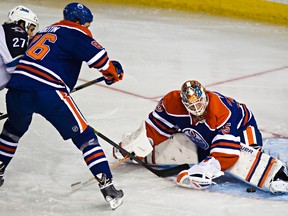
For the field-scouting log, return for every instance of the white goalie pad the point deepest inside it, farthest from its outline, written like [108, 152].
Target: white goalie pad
[136, 142]
[177, 150]
[255, 167]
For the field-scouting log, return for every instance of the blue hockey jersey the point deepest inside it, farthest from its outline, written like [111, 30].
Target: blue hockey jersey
[54, 58]
[218, 135]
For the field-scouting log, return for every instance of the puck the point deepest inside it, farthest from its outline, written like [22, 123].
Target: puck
[250, 190]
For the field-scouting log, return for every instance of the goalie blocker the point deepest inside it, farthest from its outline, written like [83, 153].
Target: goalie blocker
[253, 166]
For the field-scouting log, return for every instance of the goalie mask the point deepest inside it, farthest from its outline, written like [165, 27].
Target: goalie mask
[194, 97]
[24, 14]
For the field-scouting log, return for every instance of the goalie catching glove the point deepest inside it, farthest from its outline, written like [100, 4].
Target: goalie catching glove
[136, 143]
[113, 73]
[200, 175]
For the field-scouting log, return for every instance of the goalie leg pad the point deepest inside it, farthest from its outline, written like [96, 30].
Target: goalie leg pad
[256, 168]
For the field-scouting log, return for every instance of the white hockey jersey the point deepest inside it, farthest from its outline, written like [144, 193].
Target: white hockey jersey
[13, 44]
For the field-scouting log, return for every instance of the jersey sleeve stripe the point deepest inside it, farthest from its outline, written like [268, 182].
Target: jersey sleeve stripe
[226, 151]
[229, 145]
[249, 135]
[161, 125]
[164, 121]
[157, 129]
[226, 137]
[103, 64]
[97, 58]
[246, 115]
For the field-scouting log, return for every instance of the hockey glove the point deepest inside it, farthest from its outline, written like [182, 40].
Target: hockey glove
[136, 143]
[113, 73]
[200, 176]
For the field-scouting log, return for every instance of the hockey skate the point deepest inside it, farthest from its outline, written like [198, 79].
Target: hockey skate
[1, 173]
[280, 182]
[111, 195]
[279, 186]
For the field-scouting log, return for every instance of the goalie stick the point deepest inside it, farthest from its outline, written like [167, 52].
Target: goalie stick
[160, 173]
[100, 79]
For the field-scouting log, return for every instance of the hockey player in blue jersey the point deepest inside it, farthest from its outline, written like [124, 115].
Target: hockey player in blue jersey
[42, 82]
[22, 24]
[212, 131]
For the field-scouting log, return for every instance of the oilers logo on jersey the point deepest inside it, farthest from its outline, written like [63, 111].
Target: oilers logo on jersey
[196, 138]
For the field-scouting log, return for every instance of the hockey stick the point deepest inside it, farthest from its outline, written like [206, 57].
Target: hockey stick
[3, 116]
[78, 185]
[160, 173]
[100, 79]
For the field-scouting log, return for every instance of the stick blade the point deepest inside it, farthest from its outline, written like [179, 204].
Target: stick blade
[76, 186]
[172, 171]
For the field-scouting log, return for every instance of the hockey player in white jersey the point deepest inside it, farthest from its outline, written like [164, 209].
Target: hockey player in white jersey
[15, 33]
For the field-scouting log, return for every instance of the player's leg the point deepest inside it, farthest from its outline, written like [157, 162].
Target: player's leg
[70, 123]
[252, 137]
[260, 170]
[19, 108]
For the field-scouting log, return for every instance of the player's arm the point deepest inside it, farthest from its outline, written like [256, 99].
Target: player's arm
[113, 73]
[90, 51]
[12, 63]
[15, 47]
[224, 153]
[157, 128]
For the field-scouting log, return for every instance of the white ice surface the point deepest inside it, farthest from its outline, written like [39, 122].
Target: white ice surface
[159, 50]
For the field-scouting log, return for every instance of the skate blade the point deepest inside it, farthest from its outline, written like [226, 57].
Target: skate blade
[115, 203]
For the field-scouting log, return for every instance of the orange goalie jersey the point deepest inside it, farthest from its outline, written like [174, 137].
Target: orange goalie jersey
[227, 123]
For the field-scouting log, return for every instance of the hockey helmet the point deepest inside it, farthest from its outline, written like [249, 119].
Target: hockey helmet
[194, 97]
[77, 12]
[25, 14]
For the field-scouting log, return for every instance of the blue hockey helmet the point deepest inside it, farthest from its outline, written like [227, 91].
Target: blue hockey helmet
[77, 12]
